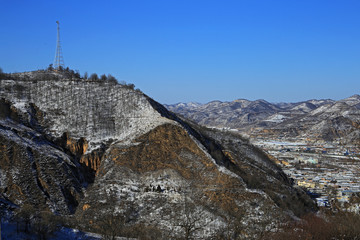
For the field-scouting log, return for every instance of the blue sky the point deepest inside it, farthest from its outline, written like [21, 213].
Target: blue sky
[195, 50]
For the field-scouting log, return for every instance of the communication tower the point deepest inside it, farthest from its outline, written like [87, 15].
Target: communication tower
[59, 60]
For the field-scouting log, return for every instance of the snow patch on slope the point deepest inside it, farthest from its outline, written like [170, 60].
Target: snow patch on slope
[276, 118]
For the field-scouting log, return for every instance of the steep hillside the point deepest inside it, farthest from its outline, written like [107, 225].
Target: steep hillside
[104, 151]
[33, 169]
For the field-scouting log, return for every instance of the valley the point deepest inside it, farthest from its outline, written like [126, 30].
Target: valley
[315, 142]
[330, 173]
[180, 120]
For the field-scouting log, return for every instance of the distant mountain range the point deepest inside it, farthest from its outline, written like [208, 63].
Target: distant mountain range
[316, 120]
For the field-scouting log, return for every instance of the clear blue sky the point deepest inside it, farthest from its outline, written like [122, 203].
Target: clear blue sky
[195, 50]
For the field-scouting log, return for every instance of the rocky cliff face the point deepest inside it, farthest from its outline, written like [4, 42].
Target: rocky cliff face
[97, 148]
[34, 170]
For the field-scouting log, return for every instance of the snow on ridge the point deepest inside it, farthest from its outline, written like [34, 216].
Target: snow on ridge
[277, 118]
[45, 149]
[352, 100]
[222, 169]
[95, 110]
[320, 109]
[22, 106]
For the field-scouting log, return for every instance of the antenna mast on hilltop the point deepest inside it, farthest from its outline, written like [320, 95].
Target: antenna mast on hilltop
[59, 60]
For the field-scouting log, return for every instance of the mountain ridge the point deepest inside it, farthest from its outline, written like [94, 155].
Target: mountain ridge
[304, 116]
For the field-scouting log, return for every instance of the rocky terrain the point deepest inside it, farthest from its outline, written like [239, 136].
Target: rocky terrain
[315, 120]
[112, 159]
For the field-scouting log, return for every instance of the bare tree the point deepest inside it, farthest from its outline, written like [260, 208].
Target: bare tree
[94, 77]
[190, 220]
[233, 228]
[191, 217]
[23, 217]
[114, 221]
[111, 78]
[103, 77]
[2, 74]
[46, 224]
[111, 225]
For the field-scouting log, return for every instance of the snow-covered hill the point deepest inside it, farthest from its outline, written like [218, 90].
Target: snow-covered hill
[312, 119]
[104, 151]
